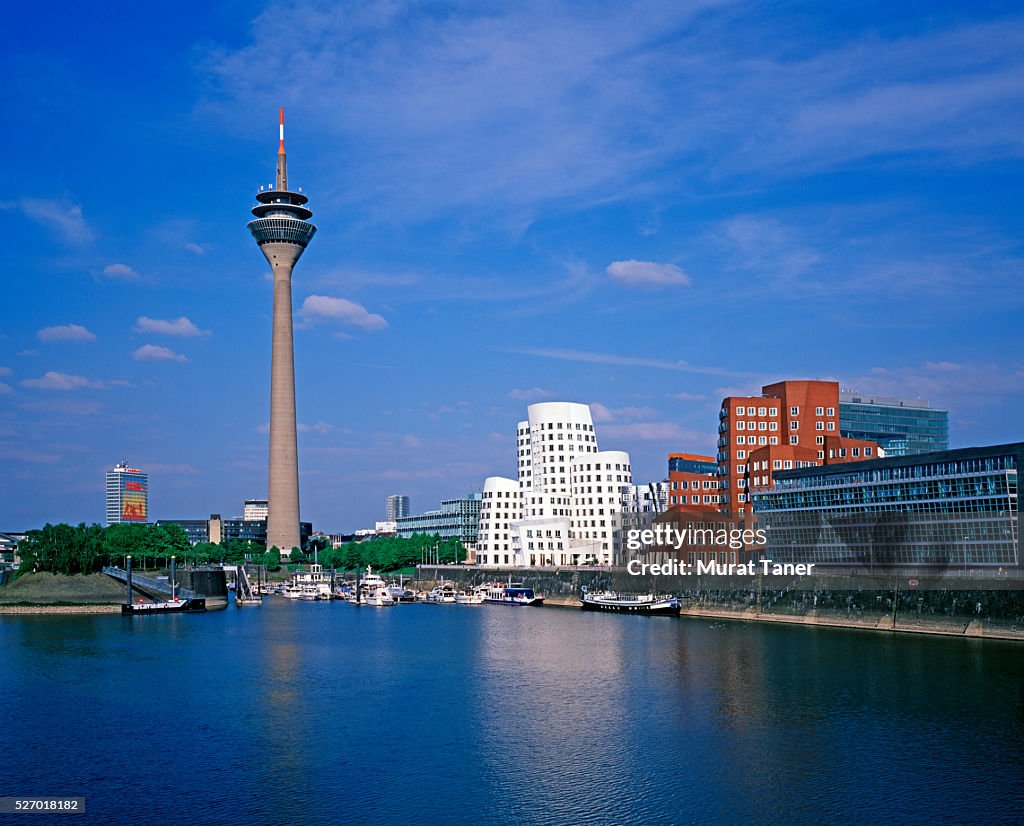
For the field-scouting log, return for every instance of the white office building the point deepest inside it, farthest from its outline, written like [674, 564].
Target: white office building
[565, 507]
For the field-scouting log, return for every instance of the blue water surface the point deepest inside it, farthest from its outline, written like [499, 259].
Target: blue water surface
[299, 712]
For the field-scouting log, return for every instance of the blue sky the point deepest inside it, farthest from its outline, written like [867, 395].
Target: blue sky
[643, 207]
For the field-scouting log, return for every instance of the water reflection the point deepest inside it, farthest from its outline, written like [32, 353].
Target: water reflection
[325, 712]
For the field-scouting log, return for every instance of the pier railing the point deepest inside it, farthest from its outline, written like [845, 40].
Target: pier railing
[145, 583]
[243, 585]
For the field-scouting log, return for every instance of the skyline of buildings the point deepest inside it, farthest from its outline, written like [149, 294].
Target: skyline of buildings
[881, 242]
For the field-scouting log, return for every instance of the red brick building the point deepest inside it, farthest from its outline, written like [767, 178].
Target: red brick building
[693, 482]
[792, 424]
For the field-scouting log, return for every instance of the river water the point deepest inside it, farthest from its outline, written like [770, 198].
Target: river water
[300, 712]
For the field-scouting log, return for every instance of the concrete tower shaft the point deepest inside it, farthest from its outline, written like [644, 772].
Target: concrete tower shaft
[281, 228]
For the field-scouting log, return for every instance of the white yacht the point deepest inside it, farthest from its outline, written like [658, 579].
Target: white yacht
[443, 594]
[379, 598]
[311, 584]
[475, 597]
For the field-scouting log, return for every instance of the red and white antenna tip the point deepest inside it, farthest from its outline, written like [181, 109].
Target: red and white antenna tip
[281, 149]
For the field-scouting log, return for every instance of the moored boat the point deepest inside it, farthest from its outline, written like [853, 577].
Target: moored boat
[651, 604]
[177, 605]
[512, 594]
[443, 594]
[474, 597]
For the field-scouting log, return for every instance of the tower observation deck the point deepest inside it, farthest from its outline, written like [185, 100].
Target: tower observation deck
[282, 230]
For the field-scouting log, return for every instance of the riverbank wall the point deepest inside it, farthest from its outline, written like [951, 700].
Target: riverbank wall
[959, 606]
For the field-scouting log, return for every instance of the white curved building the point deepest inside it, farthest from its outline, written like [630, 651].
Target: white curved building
[500, 508]
[569, 498]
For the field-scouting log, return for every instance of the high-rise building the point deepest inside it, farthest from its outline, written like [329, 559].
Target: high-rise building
[127, 495]
[282, 230]
[792, 424]
[901, 427]
[566, 506]
[253, 509]
[396, 507]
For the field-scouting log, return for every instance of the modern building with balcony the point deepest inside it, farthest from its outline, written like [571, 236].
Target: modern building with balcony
[954, 509]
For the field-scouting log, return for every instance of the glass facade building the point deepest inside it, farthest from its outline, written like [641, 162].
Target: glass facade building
[954, 508]
[456, 518]
[683, 463]
[903, 427]
[396, 507]
[127, 496]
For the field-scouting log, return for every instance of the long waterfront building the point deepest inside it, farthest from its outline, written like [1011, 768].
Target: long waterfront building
[949, 509]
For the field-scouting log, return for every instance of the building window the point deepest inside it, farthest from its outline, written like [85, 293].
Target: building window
[819, 440]
[741, 411]
[794, 425]
[831, 425]
[831, 411]
[794, 411]
[819, 411]
[741, 425]
[794, 440]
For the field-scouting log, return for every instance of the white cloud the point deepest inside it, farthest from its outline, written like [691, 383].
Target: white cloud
[28, 353]
[5, 388]
[65, 332]
[601, 413]
[61, 217]
[675, 436]
[687, 397]
[182, 327]
[121, 271]
[613, 359]
[411, 441]
[648, 274]
[325, 308]
[198, 249]
[53, 380]
[320, 427]
[5, 371]
[531, 394]
[154, 352]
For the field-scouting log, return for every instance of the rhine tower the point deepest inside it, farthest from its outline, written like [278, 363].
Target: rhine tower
[282, 230]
